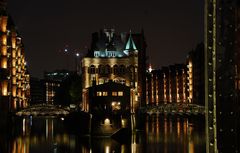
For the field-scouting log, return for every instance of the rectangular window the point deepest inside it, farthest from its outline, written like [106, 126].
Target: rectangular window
[104, 93]
[99, 93]
[120, 93]
[114, 93]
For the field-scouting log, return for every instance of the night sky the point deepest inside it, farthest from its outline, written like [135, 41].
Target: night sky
[172, 28]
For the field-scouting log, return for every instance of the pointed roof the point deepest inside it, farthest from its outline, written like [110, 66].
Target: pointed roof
[130, 43]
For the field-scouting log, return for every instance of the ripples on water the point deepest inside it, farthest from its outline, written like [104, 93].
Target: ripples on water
[159, 135]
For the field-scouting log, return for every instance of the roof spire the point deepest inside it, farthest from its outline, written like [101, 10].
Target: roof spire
[130, 43]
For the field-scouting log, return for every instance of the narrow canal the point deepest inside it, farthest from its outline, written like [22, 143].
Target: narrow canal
[160, 134]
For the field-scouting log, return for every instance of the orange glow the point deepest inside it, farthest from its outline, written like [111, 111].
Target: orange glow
[4, 88]
[13, 71]
[4, 39]
[4, 62]
[14, 80]
[4, 23]
[13, 53]
[14, 90]
[13, 62]
[13, 42]
[19, 92]
[19, 53]
[4, 50]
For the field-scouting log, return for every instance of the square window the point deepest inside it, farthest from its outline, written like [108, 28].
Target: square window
[99, 93]
[114, 93]
[120, 93]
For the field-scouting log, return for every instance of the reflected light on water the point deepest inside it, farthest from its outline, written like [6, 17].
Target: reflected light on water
[161, 134]
[107, 149]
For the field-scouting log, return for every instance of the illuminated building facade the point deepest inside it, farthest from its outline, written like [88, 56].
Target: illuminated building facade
[14, 80]
[195, 64]
[117, 57]
[179, 83]
[222, 67]
[167, 85]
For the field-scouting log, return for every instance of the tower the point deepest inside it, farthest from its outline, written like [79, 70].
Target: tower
[116, 57]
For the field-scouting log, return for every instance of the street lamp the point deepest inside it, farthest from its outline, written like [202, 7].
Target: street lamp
[77, 61]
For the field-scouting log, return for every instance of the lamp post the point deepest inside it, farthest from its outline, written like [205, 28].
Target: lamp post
[77, 66]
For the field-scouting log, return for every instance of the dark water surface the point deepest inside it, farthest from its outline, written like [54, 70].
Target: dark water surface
[160, 134]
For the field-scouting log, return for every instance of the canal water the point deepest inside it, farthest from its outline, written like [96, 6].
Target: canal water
[160, 134]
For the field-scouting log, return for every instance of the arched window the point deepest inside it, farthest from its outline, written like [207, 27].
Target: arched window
[92, 69]
[122, 69]
[101, 69]
[107, 69]
[115, 69]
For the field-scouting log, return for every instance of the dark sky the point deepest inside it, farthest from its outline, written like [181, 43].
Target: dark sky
[172, 27]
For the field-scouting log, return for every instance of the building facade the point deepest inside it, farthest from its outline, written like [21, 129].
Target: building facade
[52, 82]
[195, 71]
[14, 80]
[37, 91]
[167, 85]
[222, 26]
[117, 57]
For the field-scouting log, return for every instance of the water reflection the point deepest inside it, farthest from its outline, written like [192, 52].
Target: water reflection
[160, 135]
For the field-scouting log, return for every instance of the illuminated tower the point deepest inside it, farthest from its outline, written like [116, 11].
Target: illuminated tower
[222, 86]
[14, 80]
[116, 57]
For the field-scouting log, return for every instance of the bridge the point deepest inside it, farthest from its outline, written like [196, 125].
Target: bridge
[43, 110]
[174, 109]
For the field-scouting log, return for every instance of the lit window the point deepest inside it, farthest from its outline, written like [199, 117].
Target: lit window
[120, 93]
[116, 106]
[114, 93]
[104, 93]
[99, 93]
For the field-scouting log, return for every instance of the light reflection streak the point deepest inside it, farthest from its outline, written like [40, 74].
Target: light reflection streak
[164, 133]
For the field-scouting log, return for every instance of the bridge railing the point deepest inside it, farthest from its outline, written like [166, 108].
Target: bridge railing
[180, 109]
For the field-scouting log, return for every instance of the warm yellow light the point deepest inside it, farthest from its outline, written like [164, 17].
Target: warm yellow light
[13, 42]
[107, 149]
[104, 93]
[4, 23]
[99, 93]
[4, 62]
[4, 50]
[124, 123]
[14, 91]
[4, 39]
[4, 88]
[120, 93]
[114, 93]
[13, 62]
[13, 53]
[107, 121]
[14, 80]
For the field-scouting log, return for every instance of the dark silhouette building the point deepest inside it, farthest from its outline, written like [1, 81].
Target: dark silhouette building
[37, 91]
[222, 67]
[52, 82]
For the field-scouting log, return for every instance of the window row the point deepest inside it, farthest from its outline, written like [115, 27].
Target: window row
[105, 93]
[106, 69]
